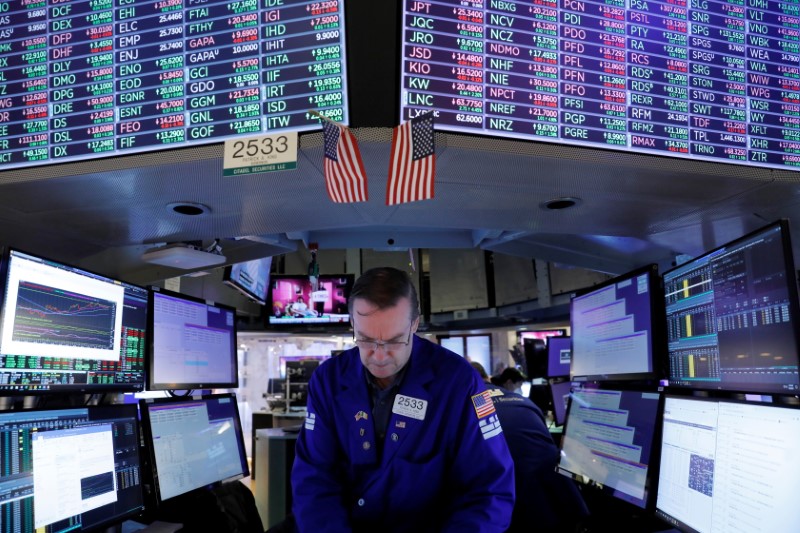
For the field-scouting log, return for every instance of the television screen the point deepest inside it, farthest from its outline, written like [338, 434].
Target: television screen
[73, 469]
[194, 442]
[698, 80]
[617, 328]
[64, 329]
[542, 334]
[299, 367]
[559, 355]
[729, 466]
[295, 301]
[90, 78]
[192, 343]
[609, 442]
[251, 278]
[560, 392]
[732, 316]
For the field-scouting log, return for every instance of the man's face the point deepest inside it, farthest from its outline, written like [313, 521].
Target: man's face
[391, 328]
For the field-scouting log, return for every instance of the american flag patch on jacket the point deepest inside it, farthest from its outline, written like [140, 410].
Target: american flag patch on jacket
[483, 404]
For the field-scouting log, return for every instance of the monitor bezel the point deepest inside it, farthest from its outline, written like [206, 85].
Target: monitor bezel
[794, 306]
[653, 465]
[228, 280]
[152, 385]
[301, 326]
[657, 343]
[147, 436]
[81, 388]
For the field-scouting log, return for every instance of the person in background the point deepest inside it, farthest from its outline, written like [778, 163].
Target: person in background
[545, 500]
[510, 379]
[401, 435]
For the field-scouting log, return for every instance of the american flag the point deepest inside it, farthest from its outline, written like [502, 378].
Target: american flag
[345, 177]
[484, 406]
[413, 163]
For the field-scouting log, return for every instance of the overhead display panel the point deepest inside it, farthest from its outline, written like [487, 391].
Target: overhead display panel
[718, 81]
[85, 78]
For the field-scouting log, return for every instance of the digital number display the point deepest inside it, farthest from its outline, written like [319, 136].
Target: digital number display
[711, 80]
[83, 78]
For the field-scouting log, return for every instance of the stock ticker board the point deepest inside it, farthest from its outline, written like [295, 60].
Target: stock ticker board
[85, 78]
[711, 80]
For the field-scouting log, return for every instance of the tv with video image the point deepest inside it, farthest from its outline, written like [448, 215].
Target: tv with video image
[251, 278]
[294, 301]
[192, 343]
[729, 466]
[68, 330]
[75, 469]
[559, 356]
[194, 442]
[733, 317]
[610, 442]
[618, 327]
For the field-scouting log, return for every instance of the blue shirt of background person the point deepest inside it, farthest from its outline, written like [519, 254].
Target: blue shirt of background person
[442, 464]
[546, 501]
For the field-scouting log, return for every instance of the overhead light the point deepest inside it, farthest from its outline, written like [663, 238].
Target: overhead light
[183, 256]
[557, 204]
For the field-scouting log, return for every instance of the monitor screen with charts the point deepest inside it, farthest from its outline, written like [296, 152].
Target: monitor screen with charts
[609, 442]
[194, 442]
[729, 466]
[733, 316]
[71, 469]
[65, 329]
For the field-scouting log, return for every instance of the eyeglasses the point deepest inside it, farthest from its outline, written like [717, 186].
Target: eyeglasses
[371, 346]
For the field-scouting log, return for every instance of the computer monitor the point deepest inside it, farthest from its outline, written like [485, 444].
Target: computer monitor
[559, 392]
[301, 365]
[71, 469]
[192, 343]
[733, 316]
[296, 304]
[559, 356]
[618, 328]
[251, 278]
[609, 442]
[729, 466]
[68, 330]
[194, 442]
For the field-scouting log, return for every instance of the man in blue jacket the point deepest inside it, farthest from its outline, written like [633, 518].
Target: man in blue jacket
[401, 434]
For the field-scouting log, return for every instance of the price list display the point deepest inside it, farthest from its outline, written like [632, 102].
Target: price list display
[706, 79]
[86, 78]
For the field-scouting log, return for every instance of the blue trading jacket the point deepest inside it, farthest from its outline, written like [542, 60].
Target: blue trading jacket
[448, 470]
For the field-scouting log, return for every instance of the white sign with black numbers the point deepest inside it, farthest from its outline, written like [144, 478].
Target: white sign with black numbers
[265, 153]
[410, 407]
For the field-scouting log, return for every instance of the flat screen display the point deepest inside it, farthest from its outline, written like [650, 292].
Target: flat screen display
[609, 442]
[732, 316]
[74, 469]
[294, 300]
[728, 466]
[251, 278]
[194, 442]
[617, 328]
[705, 80]
[99, 78]
[193, 343]
[559, 356]
[65, 329]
